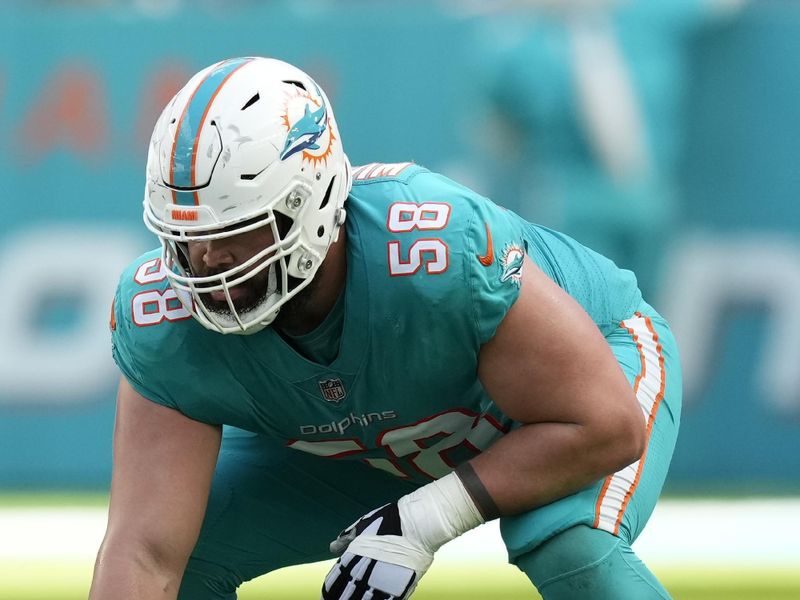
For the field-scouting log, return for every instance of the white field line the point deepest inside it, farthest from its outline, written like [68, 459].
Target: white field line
[746, 533]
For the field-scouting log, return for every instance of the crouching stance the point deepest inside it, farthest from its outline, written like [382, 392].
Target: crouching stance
[315, 345]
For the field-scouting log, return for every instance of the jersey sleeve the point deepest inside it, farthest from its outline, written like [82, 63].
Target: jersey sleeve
[495, 254]
[124, 346]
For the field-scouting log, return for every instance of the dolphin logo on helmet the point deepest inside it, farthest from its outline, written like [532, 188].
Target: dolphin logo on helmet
[305, 132]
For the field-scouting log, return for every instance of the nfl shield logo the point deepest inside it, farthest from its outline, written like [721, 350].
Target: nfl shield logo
[332, 390]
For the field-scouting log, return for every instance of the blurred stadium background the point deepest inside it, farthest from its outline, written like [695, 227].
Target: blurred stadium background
[664, 134]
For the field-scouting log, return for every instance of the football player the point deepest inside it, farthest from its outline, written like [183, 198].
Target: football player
[366, 362]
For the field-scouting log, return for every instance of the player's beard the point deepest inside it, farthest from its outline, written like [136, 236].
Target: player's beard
[245, 296]
[293, 316]
[252, 293]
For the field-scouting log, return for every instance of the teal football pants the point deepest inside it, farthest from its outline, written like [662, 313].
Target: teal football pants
[583, 562]
[579, 546]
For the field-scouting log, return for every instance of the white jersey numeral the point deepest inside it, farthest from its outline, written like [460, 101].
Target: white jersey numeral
[427, 216]
[430, 252]
[432, 447]
[405, 217]
[149, 272]
[437, 445]
[155, 306]
[328, 448]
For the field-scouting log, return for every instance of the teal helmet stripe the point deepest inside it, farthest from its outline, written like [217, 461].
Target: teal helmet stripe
[188, 131]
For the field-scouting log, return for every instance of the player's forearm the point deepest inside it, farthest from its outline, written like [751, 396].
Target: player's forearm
[530, 466]
[128, 574]
[538, 463]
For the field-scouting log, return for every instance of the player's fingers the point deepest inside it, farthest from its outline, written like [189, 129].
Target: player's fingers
[357, 587]
[337, 578]
[340, 544]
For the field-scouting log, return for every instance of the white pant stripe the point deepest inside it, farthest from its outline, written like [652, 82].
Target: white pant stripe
[649, 388]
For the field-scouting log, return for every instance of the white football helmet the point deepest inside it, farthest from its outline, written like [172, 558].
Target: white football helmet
[246, 140]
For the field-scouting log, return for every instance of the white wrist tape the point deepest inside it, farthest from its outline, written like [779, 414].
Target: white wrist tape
[430, 517]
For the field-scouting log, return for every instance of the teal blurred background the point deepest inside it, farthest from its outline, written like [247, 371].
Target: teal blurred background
[663, 134]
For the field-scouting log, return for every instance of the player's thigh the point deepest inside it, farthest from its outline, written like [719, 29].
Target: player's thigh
[271, 506]
[623, 502]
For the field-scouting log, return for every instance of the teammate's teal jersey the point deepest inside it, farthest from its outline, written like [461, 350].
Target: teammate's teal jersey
[432, 269]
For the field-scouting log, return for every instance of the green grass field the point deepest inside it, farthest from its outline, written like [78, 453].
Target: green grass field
[61, 581]
[42, 579]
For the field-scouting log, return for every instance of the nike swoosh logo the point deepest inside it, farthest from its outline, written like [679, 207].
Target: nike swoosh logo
[487, 259]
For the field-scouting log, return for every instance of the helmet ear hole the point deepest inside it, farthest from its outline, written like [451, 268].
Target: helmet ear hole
[283, 223]
[320, 231]
[327, 196]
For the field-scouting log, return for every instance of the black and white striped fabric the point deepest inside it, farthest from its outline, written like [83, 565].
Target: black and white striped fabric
[360, 578]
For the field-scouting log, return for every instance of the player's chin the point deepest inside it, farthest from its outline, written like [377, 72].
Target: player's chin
[242, 303]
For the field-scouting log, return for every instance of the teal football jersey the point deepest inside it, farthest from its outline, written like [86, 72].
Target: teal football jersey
[433, 268]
